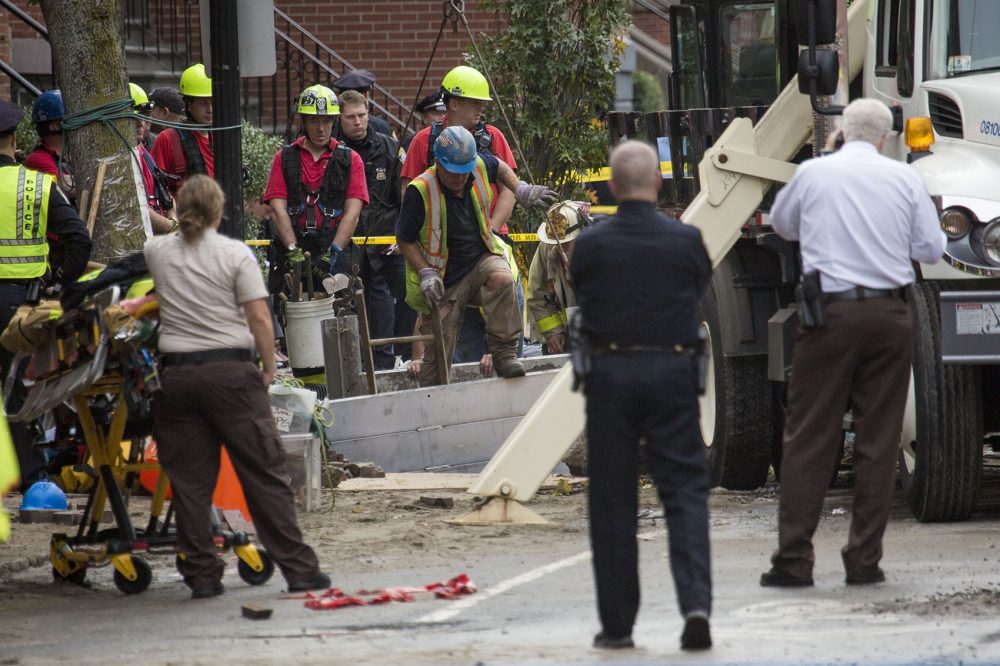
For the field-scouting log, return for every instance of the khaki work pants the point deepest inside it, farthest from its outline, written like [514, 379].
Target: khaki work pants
[503, 320]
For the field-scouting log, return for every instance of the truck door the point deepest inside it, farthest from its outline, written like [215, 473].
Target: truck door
[893, 60]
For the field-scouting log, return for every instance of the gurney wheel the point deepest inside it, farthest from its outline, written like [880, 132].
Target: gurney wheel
[252, 577]
[78, 577]
[144, 577]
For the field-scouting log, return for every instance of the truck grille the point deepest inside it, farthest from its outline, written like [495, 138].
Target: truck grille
[945, 116]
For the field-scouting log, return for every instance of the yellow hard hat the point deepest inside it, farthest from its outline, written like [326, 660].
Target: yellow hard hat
[195, 82]
[139, 96]
[465, 81]
[318, 100]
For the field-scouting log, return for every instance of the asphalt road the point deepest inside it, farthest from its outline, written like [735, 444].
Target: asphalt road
[535, 605]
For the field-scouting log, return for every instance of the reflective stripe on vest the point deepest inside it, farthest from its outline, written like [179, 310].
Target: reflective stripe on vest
[433, 236]
[23, 222]
[552, 321]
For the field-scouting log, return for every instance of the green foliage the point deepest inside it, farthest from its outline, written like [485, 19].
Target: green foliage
[26, 136]
[648, 93]
[258, 152]
[553, 68]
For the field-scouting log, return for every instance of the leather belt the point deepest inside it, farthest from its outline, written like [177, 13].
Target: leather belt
[864, 294]
[616, 348]
[207, 356]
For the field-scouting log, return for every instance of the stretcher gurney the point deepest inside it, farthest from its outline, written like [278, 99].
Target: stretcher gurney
[107, 378]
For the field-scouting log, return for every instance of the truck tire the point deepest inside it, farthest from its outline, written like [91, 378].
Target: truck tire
[941, 470]
[736, 410]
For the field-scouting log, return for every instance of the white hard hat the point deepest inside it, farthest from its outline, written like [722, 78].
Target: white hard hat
[566, 219]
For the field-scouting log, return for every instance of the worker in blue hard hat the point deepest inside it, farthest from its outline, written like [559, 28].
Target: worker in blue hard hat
[452, 257]
[47, 114]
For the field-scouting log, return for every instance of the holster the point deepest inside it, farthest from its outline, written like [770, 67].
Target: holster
[809, 296]
[579, 350]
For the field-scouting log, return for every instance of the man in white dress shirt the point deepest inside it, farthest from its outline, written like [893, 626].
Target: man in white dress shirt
[861, 219]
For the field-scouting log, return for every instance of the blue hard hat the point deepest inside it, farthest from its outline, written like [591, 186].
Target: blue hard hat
[48, 106]
[455, 149]
[45, 495]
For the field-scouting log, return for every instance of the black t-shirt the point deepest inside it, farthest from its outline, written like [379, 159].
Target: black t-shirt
[465, 244]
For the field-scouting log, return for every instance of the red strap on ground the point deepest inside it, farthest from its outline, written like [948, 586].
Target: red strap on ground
[334, 597]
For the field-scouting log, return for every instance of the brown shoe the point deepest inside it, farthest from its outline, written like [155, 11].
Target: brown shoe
[510, 368]
[778, 578]
[865, 577]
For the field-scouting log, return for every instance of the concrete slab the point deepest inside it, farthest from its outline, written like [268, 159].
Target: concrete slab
[432, 481]
[439, 427]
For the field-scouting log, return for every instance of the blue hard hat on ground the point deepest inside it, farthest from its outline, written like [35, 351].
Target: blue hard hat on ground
[44, 495]
[455, 149]
[48, 106]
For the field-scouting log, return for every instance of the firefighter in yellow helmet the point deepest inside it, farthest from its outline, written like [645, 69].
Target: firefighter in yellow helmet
[316, 191]
[465, 92]
[31, 205]
[181, 152]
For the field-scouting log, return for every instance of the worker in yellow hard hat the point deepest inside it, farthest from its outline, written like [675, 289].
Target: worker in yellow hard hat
[316, 190]
[465, 92]
[155, 182]
[181, 152]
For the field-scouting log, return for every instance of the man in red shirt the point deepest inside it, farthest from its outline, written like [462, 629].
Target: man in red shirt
[182, 153]
[47, 115]
[161, 204]
[316, 191]
[465, 92]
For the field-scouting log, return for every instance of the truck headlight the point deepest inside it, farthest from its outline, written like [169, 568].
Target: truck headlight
[985, 240]
[956, 222]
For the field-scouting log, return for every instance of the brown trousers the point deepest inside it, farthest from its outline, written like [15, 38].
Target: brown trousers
[203, 406]
[862, 360]
[503, 317]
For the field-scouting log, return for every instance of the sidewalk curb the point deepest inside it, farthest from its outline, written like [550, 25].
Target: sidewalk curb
[12, 567]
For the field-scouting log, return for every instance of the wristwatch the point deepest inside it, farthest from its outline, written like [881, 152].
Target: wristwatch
[292, 247]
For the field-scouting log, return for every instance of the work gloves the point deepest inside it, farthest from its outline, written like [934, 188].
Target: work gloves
[338, 261]
[295, 256]
[432, 286]
[534, 196]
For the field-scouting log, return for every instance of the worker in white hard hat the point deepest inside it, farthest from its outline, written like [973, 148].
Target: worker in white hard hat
[550, 292]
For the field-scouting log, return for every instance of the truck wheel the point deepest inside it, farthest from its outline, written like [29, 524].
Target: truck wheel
[941, 469]
[736, 411]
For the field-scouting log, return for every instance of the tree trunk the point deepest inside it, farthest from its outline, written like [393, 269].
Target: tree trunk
[88, 52]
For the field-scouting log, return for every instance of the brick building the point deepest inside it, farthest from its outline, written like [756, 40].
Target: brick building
[392, 38]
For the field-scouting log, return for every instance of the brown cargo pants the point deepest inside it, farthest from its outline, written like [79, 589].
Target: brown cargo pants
[202, 407]
[503, 318]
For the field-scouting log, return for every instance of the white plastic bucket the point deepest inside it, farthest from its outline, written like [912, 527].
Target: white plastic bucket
[304, 333]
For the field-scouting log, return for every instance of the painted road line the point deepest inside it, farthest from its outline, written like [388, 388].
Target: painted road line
[462, 605]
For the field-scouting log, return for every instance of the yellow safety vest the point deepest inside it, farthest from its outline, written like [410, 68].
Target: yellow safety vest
[9, 474]
[24, 213]
[433, 237]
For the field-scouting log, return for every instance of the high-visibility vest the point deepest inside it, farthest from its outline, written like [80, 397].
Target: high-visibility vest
[23, 220]
[433, 237]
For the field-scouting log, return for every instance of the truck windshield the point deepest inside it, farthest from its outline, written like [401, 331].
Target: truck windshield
[964, 38]
[749, 58]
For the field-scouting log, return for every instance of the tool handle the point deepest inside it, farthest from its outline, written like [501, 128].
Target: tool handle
[309, 275]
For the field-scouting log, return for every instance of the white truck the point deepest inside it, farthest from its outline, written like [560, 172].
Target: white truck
[736, 120]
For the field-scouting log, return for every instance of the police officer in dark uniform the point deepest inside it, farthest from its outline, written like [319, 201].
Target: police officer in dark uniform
[639, 278]
[383, 269]
[360, 80]
[31, 204]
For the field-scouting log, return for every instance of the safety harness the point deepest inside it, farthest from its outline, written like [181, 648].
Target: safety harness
[194, 162]
[484, 140]
[316, 235]
[159, 199]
